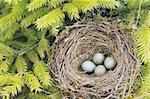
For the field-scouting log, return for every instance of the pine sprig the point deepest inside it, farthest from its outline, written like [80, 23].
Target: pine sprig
[33, 56]
[35, 4]
[11, 1]
[145, 88]
[85, 5]
[143, 43]
[31, 18]
[108, 3]
[15, 15]
[134, 4]
[55, 3]
[4, 67]
[9, 33]
[54, 18]
[13, 85]
[5, 79]
[146, 18]
[30, 34]
[5, 50]
[71, 10]
[40, 70]
[32, 82]
[43, 47]
[21, 65]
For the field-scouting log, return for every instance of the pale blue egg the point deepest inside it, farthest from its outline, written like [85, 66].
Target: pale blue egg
[100, 70]
[109, 62]
[98, 58]
[88, 66]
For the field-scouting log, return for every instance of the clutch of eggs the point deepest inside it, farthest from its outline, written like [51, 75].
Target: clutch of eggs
[102, 64]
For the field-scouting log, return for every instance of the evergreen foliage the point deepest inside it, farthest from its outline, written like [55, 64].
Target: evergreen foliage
[26, 29]
[139, 15]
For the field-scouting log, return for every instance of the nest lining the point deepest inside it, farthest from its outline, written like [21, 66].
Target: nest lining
[80, 42]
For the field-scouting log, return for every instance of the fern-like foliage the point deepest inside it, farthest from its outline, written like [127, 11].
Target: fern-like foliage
[9, 33]
[142, 37]
[7, 52]
[134, 4]
[143, 43]
[11, 1]
[72, 10]
[54, 18]
[85, 5]
[144, 88]
[21, 65]
[143, 47]
[35, 4]
[40, 70]
[146, 18]
[15, 15]
[108, 3]
[4, 67]
[33, 56]
[43, 47]
[5, 79]
[55, 3]
[32, 82]
[11, 85]
[30, 34]
[31, 18]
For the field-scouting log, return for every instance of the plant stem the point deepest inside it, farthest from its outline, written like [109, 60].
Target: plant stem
[139, 11]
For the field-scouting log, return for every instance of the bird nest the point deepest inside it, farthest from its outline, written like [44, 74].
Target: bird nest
[80, 42]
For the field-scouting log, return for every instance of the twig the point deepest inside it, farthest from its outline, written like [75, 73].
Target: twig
[32, 47]
[139, 11]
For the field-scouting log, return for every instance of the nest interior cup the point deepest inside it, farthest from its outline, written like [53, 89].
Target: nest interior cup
[80, 42]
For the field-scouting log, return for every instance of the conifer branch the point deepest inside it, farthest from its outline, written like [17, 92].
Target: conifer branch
[40, 70]
[35, 4]
[54, 18]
